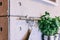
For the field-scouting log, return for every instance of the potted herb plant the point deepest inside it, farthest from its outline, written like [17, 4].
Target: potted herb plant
[49, 26]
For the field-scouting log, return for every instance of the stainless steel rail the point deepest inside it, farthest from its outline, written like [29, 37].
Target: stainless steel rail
[28, 18]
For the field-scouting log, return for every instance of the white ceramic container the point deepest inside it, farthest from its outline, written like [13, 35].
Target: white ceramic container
[45, 37]
[57, 37]
[50, 37]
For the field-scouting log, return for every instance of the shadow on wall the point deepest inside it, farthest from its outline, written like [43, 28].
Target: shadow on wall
[44, 3]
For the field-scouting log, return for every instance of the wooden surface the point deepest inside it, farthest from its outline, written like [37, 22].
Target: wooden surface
[26, 36]
[4, 25]
[4, 7]
[53, 0]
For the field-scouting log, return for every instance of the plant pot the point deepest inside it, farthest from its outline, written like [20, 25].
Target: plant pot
[59, 30]
[57, 37]
[45, 37]
[52, 37]
[48, 37]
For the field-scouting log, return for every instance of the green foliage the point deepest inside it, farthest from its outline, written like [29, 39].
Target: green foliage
[47, 25]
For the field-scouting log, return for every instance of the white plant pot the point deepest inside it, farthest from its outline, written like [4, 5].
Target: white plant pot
[50, 37]
[45, 37]
[57, 37]
[59, 30]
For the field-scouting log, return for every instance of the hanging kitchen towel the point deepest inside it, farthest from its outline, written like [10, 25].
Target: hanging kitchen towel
[35, 34]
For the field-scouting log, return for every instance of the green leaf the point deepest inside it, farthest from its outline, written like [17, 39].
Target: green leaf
[48, 25]
[46, 13]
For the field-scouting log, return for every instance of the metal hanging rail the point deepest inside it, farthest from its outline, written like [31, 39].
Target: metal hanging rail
[28, 18]
[17, 16]
[25, 17]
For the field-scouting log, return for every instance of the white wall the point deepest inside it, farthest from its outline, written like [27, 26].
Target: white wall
[33, 7]
[38, 7]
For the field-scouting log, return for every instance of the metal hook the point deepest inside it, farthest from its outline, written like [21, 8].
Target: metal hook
[30, 23]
